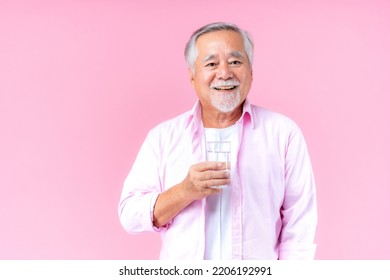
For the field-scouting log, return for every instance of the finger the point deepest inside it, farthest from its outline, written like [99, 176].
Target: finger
[222, 165]
[217, 183]
[213, 175]
[209, 165]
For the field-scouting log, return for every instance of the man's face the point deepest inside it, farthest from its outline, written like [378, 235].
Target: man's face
[222, 75]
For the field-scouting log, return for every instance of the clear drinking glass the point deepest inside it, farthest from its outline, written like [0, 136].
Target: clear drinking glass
[219, 151]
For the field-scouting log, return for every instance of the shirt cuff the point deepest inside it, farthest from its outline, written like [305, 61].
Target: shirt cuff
[151, 209]
[297, 251]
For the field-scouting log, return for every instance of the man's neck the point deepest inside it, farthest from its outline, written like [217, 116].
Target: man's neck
[217, 119]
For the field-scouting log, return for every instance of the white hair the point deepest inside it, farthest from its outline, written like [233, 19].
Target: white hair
[191, 53]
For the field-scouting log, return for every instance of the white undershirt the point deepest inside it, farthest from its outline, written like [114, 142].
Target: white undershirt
[218, 231]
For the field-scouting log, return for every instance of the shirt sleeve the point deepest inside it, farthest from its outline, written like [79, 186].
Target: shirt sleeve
[299, 209]
[141, 189]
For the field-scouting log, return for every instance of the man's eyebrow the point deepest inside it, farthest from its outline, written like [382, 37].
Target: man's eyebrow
[237, 54]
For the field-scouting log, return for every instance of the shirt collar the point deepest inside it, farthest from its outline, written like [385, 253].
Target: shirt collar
[247, 114]
[195, 115]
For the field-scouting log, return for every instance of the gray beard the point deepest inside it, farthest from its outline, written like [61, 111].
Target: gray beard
[225, 103]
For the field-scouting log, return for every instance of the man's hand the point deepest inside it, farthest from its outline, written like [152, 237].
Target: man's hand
[204, 178]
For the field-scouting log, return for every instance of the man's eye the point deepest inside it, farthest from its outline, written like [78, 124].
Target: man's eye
[211, 64]
[235, 62]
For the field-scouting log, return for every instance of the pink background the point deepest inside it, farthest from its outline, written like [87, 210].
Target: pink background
[81, 83]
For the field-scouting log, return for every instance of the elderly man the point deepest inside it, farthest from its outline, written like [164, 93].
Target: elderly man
[267, 209]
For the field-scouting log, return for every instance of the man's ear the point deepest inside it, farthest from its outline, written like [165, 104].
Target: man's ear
[191, 75]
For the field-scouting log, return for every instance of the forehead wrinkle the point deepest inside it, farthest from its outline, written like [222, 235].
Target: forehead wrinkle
[209, 57]
[236, 54]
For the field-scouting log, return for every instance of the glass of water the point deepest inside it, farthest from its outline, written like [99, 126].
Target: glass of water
[219, 151]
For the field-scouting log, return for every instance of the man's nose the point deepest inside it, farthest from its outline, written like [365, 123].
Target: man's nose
[224, 71]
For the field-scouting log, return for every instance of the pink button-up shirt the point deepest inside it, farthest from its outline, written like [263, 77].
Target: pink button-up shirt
[274, 212]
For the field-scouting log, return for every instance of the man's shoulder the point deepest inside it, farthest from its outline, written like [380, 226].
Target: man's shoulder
[263, 115]
[176, 123]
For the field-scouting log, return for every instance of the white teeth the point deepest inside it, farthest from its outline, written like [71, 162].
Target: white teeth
[228, 85]
[225, 88]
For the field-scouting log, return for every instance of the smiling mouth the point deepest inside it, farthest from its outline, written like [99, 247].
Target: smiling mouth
[225, 87]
